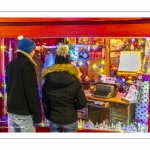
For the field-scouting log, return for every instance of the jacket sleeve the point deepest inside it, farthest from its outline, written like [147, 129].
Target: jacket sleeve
[80, 97]
[31, 93]
[46, 103]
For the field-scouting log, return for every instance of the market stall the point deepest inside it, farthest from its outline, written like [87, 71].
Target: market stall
[99, 54]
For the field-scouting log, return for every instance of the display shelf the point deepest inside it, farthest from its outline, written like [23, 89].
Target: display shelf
[115, 50]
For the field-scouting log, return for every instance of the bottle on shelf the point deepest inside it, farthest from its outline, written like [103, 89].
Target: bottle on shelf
[96, 54]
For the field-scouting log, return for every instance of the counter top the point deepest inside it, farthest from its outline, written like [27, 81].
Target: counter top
[116, 99]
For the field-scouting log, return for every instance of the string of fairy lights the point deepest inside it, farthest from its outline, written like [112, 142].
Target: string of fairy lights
[3, 87]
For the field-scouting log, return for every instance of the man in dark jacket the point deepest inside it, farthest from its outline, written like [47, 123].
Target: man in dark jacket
[23, 103]
[62, 93]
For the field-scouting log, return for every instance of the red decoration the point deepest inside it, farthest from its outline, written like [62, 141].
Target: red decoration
[81, 70]
[120, 89]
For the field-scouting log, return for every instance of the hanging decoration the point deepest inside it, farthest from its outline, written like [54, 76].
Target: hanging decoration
[92, 41]
[47, 41]
[137, 44]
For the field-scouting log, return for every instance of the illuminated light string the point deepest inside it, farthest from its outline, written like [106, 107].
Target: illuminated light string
[94, 66]
[142, 77]
[116, 126]
[148, 70]
[4, 117]
[3, 47]
[42, 124]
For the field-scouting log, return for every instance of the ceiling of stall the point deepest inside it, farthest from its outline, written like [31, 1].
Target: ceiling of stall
[75, 27]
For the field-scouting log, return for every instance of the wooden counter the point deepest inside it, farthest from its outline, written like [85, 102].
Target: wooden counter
[119, 111]
[116, 99]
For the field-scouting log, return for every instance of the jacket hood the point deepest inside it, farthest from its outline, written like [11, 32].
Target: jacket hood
[61, 75]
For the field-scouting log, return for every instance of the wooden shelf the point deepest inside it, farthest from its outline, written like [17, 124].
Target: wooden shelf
[115, 50]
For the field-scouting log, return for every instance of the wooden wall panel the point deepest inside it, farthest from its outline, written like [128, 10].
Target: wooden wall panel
[115, 30]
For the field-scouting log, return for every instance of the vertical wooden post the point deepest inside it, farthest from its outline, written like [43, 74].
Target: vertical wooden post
[6, 52]
[1, 74]
[0, 80]
[107, 57]
[15, 48]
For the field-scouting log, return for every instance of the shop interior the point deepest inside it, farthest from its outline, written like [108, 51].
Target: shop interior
[115, 75]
